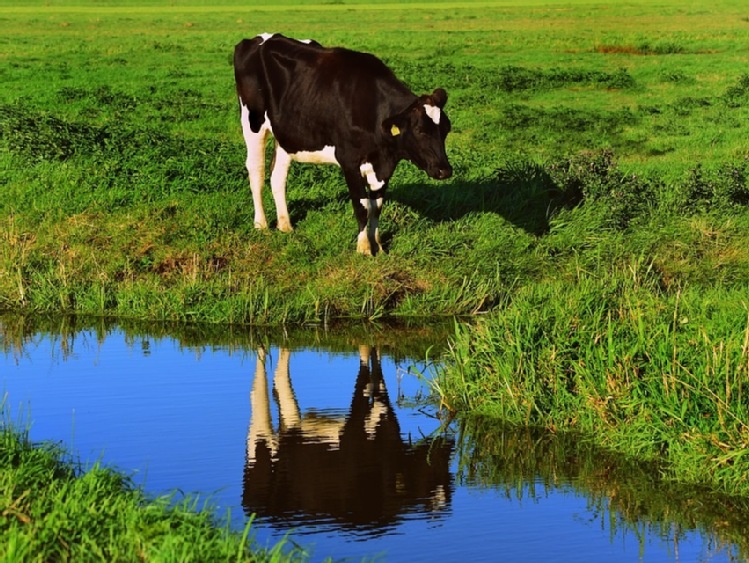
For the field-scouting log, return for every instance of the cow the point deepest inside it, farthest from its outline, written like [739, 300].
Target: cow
[337, 106]
[355, 469]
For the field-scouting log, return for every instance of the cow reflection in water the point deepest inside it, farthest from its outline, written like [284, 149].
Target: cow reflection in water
[356, 471]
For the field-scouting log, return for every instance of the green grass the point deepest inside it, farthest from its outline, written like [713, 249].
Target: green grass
[599, 198]
[54, 511]
[125, 193]
[643, 372]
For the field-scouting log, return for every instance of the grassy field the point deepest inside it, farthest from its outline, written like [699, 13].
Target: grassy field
[597, 214]
[125, 191]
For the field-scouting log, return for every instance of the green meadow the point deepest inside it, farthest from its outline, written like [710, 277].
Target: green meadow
[595, 230]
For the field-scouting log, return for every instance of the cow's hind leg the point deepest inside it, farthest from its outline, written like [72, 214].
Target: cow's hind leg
[279, 172]
[255, 163]
[260, 433]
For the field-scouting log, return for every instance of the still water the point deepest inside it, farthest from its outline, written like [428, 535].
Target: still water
[327, 435]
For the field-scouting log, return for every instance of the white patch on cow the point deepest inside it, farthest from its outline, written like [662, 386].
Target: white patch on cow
[266, 36]
[433, 112]
[324, 156]
[367, 170]
[372, 232]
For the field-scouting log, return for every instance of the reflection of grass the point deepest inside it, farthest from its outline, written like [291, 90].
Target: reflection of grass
[624, 495]
[52, 511]
[398, 340]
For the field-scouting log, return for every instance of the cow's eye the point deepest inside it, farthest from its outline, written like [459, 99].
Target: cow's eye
[421, 127]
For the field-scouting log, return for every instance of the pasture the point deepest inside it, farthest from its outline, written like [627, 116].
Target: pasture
[597, 211]
[125, 191]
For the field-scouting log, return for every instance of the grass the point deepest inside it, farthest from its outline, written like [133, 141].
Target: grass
[656, 376]
[54, 511]
[126, 194]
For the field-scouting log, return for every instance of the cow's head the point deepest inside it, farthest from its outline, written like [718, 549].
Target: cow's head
[420, 131]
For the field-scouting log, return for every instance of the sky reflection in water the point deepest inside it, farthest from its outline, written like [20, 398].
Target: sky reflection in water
[323, 438]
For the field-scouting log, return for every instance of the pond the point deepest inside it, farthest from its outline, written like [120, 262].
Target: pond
[328, 435]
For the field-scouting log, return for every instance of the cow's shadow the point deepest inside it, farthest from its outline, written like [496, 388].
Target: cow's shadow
[356, 471]
[526, 196]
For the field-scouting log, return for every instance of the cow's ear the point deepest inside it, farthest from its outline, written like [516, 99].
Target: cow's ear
[393, 126]
[439, 96]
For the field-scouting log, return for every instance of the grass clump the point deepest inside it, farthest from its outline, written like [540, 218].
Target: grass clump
[54, 511]
[654, 374]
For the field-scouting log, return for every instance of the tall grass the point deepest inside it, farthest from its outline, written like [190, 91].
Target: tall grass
[651, 374]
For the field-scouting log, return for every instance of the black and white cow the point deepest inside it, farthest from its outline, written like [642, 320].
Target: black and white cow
[334, 106]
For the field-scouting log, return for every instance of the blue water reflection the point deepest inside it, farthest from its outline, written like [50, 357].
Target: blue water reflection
[328, 441]
[354, 469]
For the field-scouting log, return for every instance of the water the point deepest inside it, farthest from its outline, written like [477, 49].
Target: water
[326, 435]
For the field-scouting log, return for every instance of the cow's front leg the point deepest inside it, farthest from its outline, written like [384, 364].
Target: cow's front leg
[361, 204]
[363, 241]
[377, 188]
[374, 210]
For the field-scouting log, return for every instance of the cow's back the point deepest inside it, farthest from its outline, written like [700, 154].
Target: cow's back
[302, 84]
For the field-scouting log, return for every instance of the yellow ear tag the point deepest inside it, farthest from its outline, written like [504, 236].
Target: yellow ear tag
[395, 131]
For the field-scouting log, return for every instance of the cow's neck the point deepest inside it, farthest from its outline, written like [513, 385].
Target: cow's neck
[384, 161]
